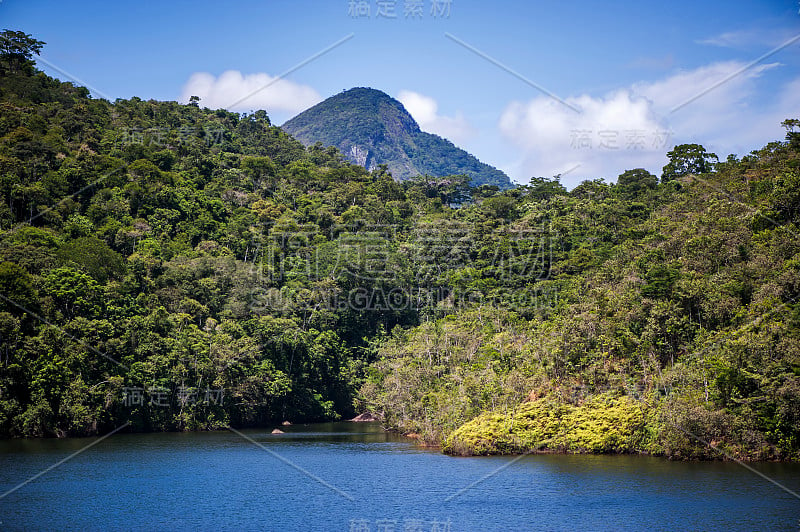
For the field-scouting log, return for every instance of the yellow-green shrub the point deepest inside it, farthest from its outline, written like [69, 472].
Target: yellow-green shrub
[604, 424]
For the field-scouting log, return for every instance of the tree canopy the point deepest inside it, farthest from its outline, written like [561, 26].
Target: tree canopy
[688, 159]
[17, 49]
[183, 268]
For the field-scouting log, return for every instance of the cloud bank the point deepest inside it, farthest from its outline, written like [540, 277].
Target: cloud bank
[237, 92]
[425, 110]
[635, 126]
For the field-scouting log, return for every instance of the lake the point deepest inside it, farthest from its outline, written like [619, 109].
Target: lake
[354, 476]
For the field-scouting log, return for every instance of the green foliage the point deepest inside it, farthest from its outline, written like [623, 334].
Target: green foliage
[16, 287]
[688, 159]
[634, 183]
[211, 263]
[674, 294]
[444, 373]
[602, 425]
[94, 256]
[16, 50]
[659, 280]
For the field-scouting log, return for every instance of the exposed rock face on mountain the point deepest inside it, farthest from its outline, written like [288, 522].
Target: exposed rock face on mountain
[371, 128]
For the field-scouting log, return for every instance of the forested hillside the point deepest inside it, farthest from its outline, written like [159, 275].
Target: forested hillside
[672, 324]
[371, 128]
[172, 266]
[182, 268]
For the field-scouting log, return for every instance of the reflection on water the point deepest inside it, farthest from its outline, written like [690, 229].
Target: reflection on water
[355, 476]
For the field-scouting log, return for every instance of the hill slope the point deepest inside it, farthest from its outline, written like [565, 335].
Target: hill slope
[179, 268]
[371, 128]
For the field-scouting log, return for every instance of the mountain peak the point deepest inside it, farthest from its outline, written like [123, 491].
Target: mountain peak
[371, 128]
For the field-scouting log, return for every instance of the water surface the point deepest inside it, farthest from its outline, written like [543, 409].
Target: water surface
[353, 476]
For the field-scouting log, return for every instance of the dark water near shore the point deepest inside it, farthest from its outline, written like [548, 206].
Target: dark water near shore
[347, 476]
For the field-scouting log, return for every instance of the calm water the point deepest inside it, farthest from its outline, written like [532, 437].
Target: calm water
[348, 476]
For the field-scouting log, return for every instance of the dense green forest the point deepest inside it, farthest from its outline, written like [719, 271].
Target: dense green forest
[182, 268]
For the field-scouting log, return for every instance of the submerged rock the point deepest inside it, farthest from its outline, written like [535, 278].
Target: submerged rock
[366, 416]
[278, 431]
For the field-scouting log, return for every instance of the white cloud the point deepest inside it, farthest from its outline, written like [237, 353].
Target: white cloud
[749, 38]
[635, 126]
[237, 92]
[425, 111]
[789, 100]
[713, 86]
[721, 118]
[555, 139]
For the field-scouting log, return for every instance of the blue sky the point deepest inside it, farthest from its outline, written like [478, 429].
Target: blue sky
[582, 89]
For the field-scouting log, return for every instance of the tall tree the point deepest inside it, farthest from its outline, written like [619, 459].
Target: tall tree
[688, 159]
[634, 182]
[16, 51]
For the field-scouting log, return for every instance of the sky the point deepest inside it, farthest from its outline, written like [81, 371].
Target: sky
[583, 90]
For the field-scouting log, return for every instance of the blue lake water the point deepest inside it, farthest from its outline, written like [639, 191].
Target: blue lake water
[353, 476]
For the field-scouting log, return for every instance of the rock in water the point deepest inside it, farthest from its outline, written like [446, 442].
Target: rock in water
[366, 416]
